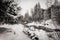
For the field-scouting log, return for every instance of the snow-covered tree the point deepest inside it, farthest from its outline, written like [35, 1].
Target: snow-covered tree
[8, 10]
[37, 13]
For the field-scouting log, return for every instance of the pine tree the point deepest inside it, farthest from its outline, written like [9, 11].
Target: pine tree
[7, 11]
[55, 13]
[37, 13]
[47, 14]
[55, 16]
[27, 16]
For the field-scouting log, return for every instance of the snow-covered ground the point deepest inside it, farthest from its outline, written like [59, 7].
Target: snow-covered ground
[43, 35]
[47, 23]
[17, 33]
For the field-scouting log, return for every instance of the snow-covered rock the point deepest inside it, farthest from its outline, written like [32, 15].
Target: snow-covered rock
[49, 24]
[35, 23]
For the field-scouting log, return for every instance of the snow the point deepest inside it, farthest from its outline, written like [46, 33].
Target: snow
[17, 28]
[35, 23]
[50, 24]
[43, 35]
[19, 35]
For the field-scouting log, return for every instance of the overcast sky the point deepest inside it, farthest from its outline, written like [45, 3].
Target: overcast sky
[26, 5]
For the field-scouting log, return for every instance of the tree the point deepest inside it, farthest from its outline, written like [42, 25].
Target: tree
[27, 16]
[49, 3]
[8, 11]
[37, 13]
[47, 14]
[55, 14]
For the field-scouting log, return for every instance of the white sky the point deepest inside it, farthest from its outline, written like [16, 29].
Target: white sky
[26, 5]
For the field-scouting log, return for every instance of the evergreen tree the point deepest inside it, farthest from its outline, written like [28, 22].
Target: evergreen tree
[7, 11]
[27, 17]
[37, 13]
[47, 14]
[55, 14]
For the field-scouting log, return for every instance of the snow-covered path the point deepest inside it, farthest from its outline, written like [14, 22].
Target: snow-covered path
[19, 35]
